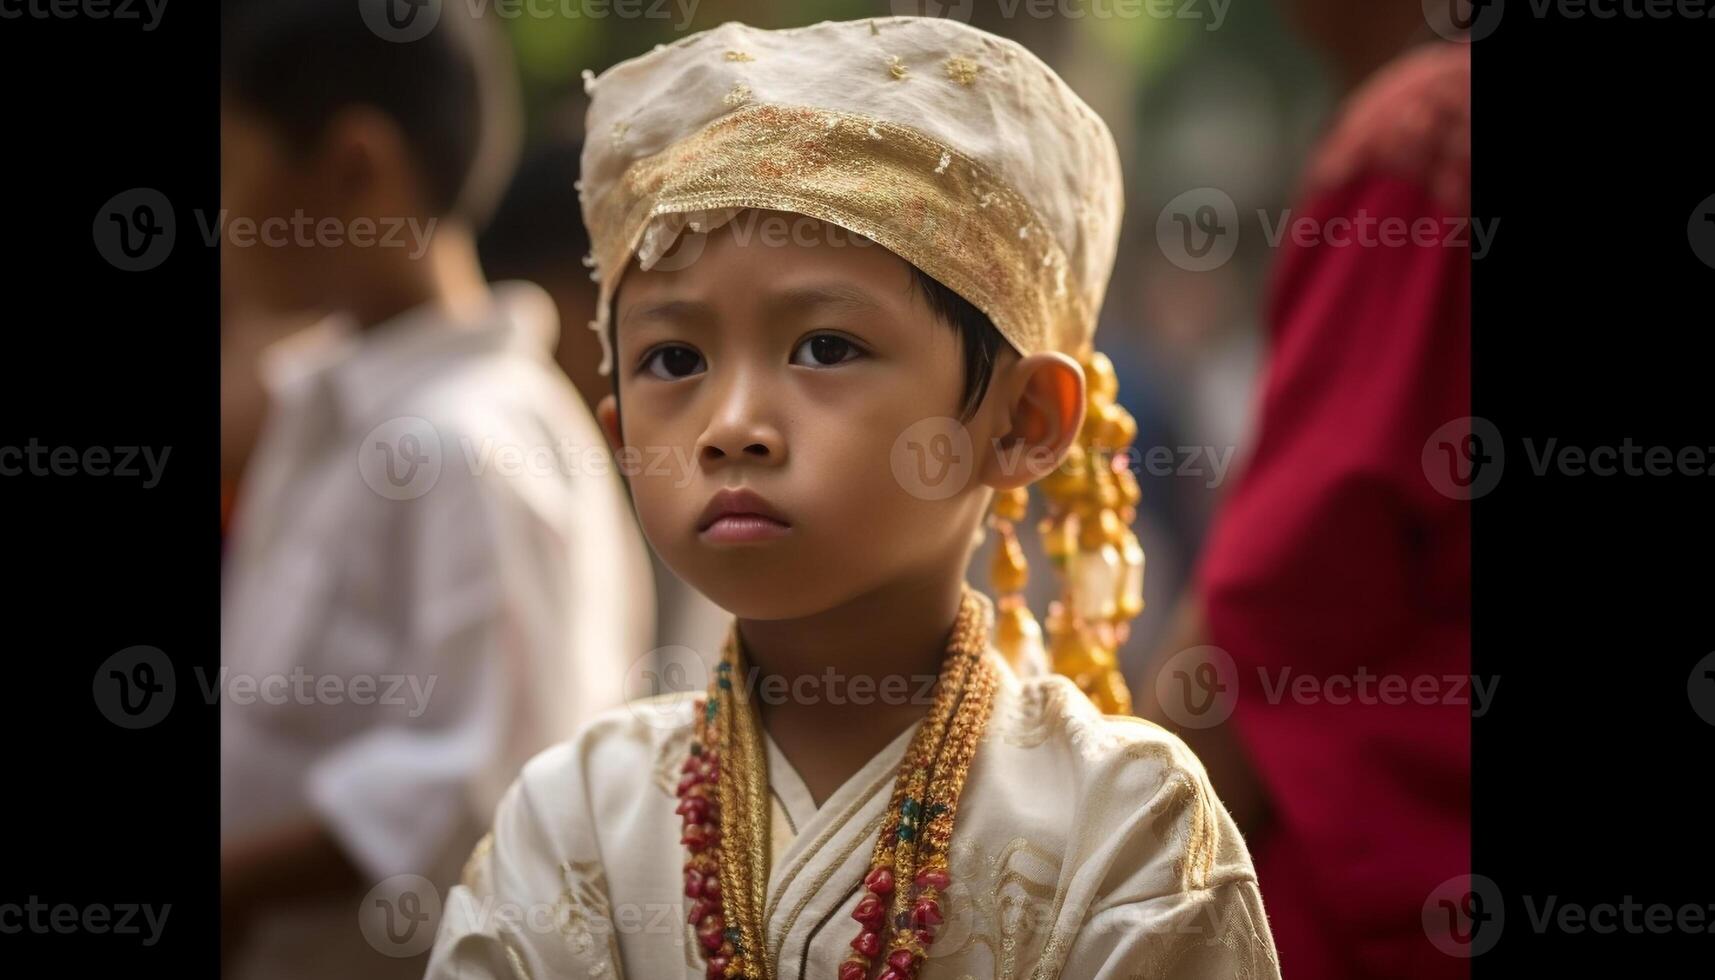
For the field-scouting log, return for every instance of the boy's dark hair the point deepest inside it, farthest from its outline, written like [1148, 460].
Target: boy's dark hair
[452, 92]
[538, 225]
[979, 339]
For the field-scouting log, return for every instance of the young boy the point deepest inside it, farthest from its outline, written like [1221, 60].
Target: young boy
[406, 616]
[854, 272]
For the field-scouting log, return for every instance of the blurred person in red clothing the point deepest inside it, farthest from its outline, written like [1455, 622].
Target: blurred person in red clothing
[1321, 666]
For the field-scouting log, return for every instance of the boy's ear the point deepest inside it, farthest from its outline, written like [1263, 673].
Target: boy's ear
[607, 413]
[1040, 418]
[363, 153]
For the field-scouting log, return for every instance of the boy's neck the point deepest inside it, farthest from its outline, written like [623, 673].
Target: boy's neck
[446, 275]
[891, 641]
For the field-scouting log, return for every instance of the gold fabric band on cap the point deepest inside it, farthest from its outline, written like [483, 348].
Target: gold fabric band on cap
[932, 206]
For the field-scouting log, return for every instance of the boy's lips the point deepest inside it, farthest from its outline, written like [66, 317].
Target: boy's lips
[740, 514]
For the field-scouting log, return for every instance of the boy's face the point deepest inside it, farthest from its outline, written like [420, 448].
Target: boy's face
[800, 362]
[260, 189]
[307, 228]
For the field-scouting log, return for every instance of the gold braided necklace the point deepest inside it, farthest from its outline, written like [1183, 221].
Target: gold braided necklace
[723, 799]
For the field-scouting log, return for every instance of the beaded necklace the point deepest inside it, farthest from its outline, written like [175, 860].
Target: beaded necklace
[723, 799]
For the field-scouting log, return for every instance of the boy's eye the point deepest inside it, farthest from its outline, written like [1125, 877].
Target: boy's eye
[673, 362]
[825, 350]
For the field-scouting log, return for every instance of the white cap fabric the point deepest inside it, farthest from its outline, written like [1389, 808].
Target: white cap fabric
[960, 151]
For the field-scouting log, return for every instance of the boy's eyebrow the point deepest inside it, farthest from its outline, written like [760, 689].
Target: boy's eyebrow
[674, 310]
[839, 296]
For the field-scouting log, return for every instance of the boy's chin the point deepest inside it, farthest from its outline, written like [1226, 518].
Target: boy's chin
[774, 595]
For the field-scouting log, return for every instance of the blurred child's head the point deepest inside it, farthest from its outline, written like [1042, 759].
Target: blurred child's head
[837, 382]
[345, 151]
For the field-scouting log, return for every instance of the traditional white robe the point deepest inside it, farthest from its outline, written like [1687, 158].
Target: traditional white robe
[1086, 846]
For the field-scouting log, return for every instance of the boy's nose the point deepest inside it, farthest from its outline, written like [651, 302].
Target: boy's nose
[739, 431]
